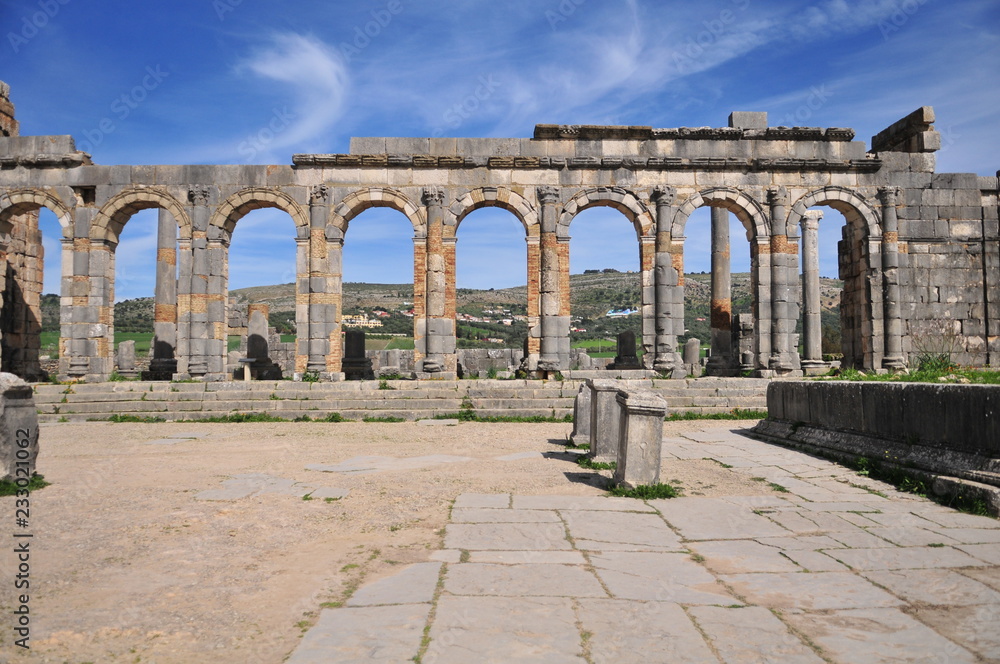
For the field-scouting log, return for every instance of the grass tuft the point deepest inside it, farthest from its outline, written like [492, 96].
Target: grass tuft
[646, 492]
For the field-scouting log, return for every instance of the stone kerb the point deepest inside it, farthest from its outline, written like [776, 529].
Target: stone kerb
[604, 419]
[640, 436]
[18, 430]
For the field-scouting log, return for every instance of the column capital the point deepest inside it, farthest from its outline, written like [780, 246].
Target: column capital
[319, 195]
[777, 195]
[888, 195]
[810, 219]
[198, 195]
[433, 196]
[547, 195]
[663, 194]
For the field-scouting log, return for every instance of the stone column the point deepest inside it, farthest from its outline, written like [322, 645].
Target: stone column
[434, 332]
[314, 324]
[812, 362]
[667, 282]
[74, 356]
[640, 437]
[783, 259]
[196, 325]
[893, 324]
[163, 363]
[552, 323]
[720, 360]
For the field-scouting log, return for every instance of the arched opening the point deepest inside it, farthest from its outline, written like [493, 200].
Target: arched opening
[379, 297]
[136, 288]
[493, 311]
[51, 299]
[606, 289]
[261, 292]
[719, 292]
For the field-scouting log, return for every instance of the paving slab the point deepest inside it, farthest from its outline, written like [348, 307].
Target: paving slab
[912, 536]
[816, 561]
[989, 553]
[935, 586]
[504, 629]
[751, 634]
[615, 531]
[521, 580]
[972, 627]
[366, 465]
[485, 515]
[528, 557]
[949, 518]
[738, 556]
[630, 632]
[906, 558]
[714, 519]
[488, 500]
[412, 585]
[989, 576]
[877, 636]
[801, 543]
[810, 592]
[596, 503]
[369, 634]
[333, 493]
[661, 577]
[506, 536]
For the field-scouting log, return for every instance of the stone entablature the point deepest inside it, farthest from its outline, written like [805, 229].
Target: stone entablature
[919, 249]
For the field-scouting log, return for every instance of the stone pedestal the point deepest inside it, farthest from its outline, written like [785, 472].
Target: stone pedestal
[355, 364]
[18, 430]
[626, 357]
[581, 416]
[125, 360]
[604, 419]
[640, 436]
[262, 367]
[692, 356]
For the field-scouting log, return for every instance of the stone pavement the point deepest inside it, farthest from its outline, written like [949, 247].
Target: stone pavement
[829, 571]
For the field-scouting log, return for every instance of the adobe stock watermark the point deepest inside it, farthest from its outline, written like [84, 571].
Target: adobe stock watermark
[33, 23]
[122, 107]
[258, 141]
[362, 35]
[817, 98]
[900, 17]
[697, 45]
[562, 13]
[456, 115]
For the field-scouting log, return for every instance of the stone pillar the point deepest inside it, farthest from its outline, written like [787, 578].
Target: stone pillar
[74, 355]
[692, 356]
[163, 361]
[604, 419]
[667, 283]
[581, 416]
[435, 330]
[125, 359]
[640, 437]
[720, 362]
[549, 281]
[316, 318]
[532, 346]
[783, 307]
[18, 431]
[812, 361]
[893, 324]
[193, 320]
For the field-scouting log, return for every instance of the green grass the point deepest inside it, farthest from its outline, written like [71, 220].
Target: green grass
[734, 414]
[470, 416]
[373, 418]
[945, 375]
[586, 462]
[143, 340]
[36, 482]
[144, 419]
[646, 492]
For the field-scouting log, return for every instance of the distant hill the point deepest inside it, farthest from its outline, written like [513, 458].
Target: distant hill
[592, 295]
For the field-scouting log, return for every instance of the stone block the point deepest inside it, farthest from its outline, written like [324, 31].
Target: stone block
[604, 419]
[640, 436]
[581, 416]
[18, 430]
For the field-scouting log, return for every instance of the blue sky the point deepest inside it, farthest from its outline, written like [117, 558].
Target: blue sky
[239, 81]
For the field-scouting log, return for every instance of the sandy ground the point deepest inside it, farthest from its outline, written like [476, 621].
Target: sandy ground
[128, 566]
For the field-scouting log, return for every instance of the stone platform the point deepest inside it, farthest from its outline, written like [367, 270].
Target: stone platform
[834, 568]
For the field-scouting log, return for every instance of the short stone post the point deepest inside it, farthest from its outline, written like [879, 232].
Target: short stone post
[581, 417]
[626, 357]
[356, 365]
[18, 430]
[692, 355]
[640, 436]
[603, 419]
[126, 360]
[258, 346]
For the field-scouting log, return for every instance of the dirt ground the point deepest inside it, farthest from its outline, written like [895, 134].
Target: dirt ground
[128, 566]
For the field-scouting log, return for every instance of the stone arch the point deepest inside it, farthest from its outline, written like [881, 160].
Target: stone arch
[358, 201]
[108, 224]
[849, 203]
[621, 199]
[256, 198]
[500, 197]
[18, 201]
[750, 213]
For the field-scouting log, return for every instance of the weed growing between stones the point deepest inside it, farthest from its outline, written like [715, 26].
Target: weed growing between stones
[11, 488]
[646, 492]
[930, 372]
[734, 414]
[909, 481]
[141, 419]
[587, 462]
[383, 419]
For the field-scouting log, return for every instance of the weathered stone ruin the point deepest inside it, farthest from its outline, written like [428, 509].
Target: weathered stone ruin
[919, 249]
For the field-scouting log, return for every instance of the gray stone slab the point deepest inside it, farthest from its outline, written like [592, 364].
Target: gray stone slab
[714, 518]
[989, 576]
[369, 634]
[502, 630]
[739, 556]
[751, 634]
[815, 561]
[325, 492]
[860, 539]
[521, 580]
[609, 530]
[580, 503]
[485, 515]
[801, 543]
[412, 585]
[973, 627]
[970, 535]
[490, 500]
[912, 536]
[506, 536]
[952, 519]
[526, 557]
[877, 636]
[629, 632]
[935, 586]
[906, 558]
[446, 556]
[808, 591]
[661, 577]
[989, 553]
[437, 423]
